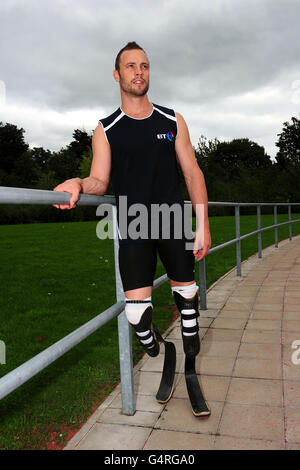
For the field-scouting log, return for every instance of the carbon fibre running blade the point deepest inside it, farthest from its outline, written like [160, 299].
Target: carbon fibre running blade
[198, 403]
[166, 386]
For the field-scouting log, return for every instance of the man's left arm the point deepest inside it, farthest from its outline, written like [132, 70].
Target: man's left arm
[195, 182]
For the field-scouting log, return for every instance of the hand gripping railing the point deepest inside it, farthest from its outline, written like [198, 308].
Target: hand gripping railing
[21, 374]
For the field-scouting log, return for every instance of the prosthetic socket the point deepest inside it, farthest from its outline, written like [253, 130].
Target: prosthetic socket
[190, 335]
[142, 325]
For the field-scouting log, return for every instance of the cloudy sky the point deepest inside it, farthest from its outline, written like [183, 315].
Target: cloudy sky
[231, 67]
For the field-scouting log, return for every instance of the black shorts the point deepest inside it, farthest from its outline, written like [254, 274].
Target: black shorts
[137, 262]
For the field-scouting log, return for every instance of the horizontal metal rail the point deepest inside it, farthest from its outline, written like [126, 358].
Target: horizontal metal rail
[24, 372]
[247, 235]
[245, 204]
[10, 195]
[28, 369]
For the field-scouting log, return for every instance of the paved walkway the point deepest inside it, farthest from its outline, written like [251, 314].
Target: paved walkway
[247, 373]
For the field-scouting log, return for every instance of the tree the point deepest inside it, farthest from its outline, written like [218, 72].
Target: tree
[80, 145]
[240, 153]
[289, 144]
[41, 158]
[204, 149]
[66, 162]
[288, 160]
[236, 170]
[85, 164]
[12, 146]
[24, 172]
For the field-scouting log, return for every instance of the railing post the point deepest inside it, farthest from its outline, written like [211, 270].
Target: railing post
[125, 341]
[259, 233]
[238, 243]
[290, 223]
[202, 283]
[276, 228]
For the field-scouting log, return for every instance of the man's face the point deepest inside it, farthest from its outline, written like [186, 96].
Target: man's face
[133, 75]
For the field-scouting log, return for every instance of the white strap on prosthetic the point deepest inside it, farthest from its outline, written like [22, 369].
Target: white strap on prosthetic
[134, 314]
[188, 292]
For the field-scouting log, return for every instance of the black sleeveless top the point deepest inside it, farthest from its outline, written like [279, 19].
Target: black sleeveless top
[144, 166]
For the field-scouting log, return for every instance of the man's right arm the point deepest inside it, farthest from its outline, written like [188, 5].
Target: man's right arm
[98, 181]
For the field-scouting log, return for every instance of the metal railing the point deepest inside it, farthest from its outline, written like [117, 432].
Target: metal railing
[239, 237]
[24, 372]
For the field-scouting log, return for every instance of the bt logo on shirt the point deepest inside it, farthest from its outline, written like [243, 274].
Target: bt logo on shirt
[169, 136]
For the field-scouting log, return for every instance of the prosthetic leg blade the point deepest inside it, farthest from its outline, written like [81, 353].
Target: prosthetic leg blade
[167, 380]
[199, 406]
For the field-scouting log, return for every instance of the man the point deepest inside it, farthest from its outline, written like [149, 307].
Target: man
[139, 145]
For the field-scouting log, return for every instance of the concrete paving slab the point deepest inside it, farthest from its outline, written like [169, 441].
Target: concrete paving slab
[140, 418]
[291, 325]
[246, 291]
[229, 323]
[273, 307]
[260, 351]
[266, 315]
[105, 436]
[288, 337]
[219, 334]
[156, 364]
[291, 394]
[255, 391]
[261, 336]
[209, 313]
[226, 313]
[233, 443]
[291, 371]
[142, 403]
[178, 416]
[211, 365]
[258, 368]
[263, 324]
[292, 315]
[174, 440]
[292, 423]
[240, 306]
[222, 348]
[252, 421]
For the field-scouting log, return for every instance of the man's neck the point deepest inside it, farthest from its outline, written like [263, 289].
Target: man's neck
[136, 106]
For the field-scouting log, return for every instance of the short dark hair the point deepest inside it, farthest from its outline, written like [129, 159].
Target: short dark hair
[129, 46]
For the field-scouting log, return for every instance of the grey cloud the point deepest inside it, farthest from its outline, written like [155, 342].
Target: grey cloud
[241, 47]
[60, 54]
[63, 52]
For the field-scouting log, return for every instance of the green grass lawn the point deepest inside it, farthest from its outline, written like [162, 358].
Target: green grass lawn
[56, 277]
